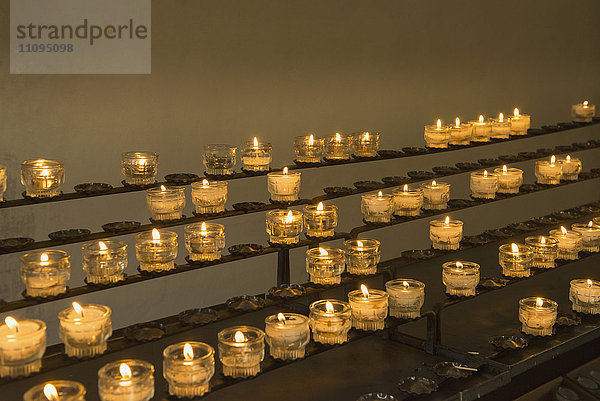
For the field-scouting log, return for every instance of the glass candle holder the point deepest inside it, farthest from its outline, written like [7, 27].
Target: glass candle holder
[519, 123]
[460, 134]
[435, 195]
[320, 220]
[330, 321]
[446, 234]
[139, 168]
[537, 316]
[284, 226]
[337, 147]
[2, 182]
[583, 112]
[287, 335]
[365, 144]
[241, 350]
[515, 259]
[42, 178]
[84, 329]
[188, 368]
[437, 135]
[63, 390]
[483, 185]
[570, 168]
[204, 241]
[284, 186]
[548, 172]
[369, 308]
[219, 159]
[406, 297]
[407, 201]
[509, 180]
[104, 261]
[256, 156]
[545, 251]
[569, 243]
[590, 236]
[45, 273]
[126, 380]
[209, 196]
[362, 256]
[22, 345]
[165, 203]
[482, 130]
[308, 149]
[460, 278]
[585, 296]
[500, 127]
[325, 265]
[156, 250]
[377, 208]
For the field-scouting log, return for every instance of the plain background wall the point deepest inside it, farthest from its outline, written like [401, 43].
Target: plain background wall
[229, 70]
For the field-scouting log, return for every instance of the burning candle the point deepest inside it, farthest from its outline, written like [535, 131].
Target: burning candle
[500, 127]
[548, 172]
[437, 136]
[56, 390]
[204, 241]
[362, 256]
[188, 368]
[256, 156]
[510, 179]
[126, 380]
[482, 130]
[435, 195]
[308, 149]
[446, 234]
[241, 350]
[320, 220]
[330, 321]
[590, 236]
[519, 123]
[377, 208]
[84, 329]
[284, 186]
[219, 159]
[45, 273]
[483, 185]
[139, 168]
[583, 112]
[460, 278]
[406, 298]
[407, 201]
[460, 134]
[325, 265]
[365, 144]
[2, 182]
[585, 296]
[287, 335]
[545, 251]
[569, 243]
[570, 168]
[515, 259]
[284, 226]
[209, 196]
[22, 345]
[165, 203]
[156, 250]
[337, 147]
[537, 316]
[369, 308]
[42, 178]
[104, 261]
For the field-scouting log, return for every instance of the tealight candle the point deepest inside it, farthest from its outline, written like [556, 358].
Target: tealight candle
[284, 186]
[446, 234]
[22, 345]
[337, 147]
[510, 179]
[585, 296]
[570, 168]
[583, 112]
[126, 380]
[548, 172]
[437, 136]
[204, 241]
[165, 203]
[460, 278]
[482, 130]
[435, 195]
[406, 297]
[362, 256]
[407, 201]
[256, 156]
[104, 261]
[365, 144]
[325, 265]
[219, 159]
[42, 178]
[569, 243]
[537, 316]
[377, 208]
[188, 368]
[590, 236]
[287, 335]
[209, 196]
[156, 250]
[519, 123]
[241, 350]
[45, 273]
[84, 329]
[320, 220]
[369, 308]
[2, 182]
[483, 185]
[139, 168]
[515, 259]
[56, 390]
[460, 134]
[545, 251]
[500, 127]
[284, 226]
[330, 321]
[308, 149]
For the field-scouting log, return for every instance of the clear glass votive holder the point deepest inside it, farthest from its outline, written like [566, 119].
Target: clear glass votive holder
[22, 347]
[325, 265]
[590, 236]
[219, 159]
[365, 144]
[66, 390]
[585, 296]
[446, 234]
[139, 168]
[548, 172]
[460, 134]
[569, 243]
[377, 208]
[209, 197]
[368, 310]
[437, 136]
[241, 350]
[2, 182]
[156, 253]
[570, 168]
[320, 220]
[435, 195]
[308, 149]
[337, 147]
[204, 241]
[460, 278]
[165, 203]
[256, 156]
[519, 123]
[42, 178]
[545, 251]
[188, 368]
[104, 261]
[482, 130]
[330, 321]
[85, 332]
[537, 316]
[500, 127]
[126, 380]
[45, 273]
[516, 260]
[362, 256]
[284, 186]
[284, 226]
[407, 201]
[483, 185]
[406, 297]
[583, 112]
[287, 335]
[510, 180]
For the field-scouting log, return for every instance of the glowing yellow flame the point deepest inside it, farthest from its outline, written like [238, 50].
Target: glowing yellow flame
[329, 307]
[364, 290]
[203, 229]
[433, 183]
[102, 246]
[359, 245]
[591, 223]
[320, 206]
[563, 230]
[281, 317]
[239, 337]
[50, 392]
[457, 122]
[568, 158]
[485, 173]
[205, 182]
[285, 170]
[323, 252]
[539, 302]
[504, 169]
[500, 117]
[311, 140]
[366, 137]
[406, 285]
[163, 188]
[338, 137]
[405, 188]
[255, 142]
[155, 234]
[590, 282]
[78, 309]
[44, 257]
[380, 194]
[543, 240]
[439, 124]
[516, 112]
[289, 218]
[481, 118]
[585, 103]
[514, 247]
[447, 220]
[143, 162]
[11, 323]
[45, 173]
[459, 265]
[125, 371]
[188, 352]
[553, 160]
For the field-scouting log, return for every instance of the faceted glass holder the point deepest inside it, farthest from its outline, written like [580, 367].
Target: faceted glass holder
[515, 264]
[436, 137]
[325, 265]
[104, 266]
[219, 159]
[519, 124]
[585, 296]
[330, 326]
[483, 186]
[204, 244]
[308, 149]
[459, 280]
[407, 202]
[284, 228]
[446, 236]
[45, 273]
[537, 320]
[377, 209]
[368, 313]
[435, 197]
[86, 336]
[590, 236]
[570, 168]
[548, 173]
[209, 196]
[337, 147]
[21, 353]
[284, 186]
[509, 181]
[67, 391]
[42, 178]
[460, 135]
[139, 168]
[187, 376]
[241, 358]
[256, 157]
[569, 244]
[362, 256]
[365, 144]
[406, 297]
[583, 113]
[500, 129]
[544, 253]
[288, 339]
[140, 386]
[482, 131]
[156, 255]
[165, 203]
[320, 223]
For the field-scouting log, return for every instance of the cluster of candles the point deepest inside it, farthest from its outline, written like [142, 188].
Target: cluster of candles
[551, 172]
[310, 149]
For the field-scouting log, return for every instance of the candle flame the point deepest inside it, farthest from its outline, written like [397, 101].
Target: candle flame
[439, 124]
[255, 142]
[50, 392]
[143, 162]
[102, 246]
[239, 337]
[78, 309]
[44, 257]
[585, 103]
[504, 169]
[543, 240]
[433, 183]
[590, 282]
[281, 317]
[320, 206]
[516, 112]
[188, 352]
[11, 322]
[568, 158]
[359, 244]
[155, 234]
[481, 118]
[125, 371]
[457, 122]
[591, 223]
[329, 307]
[380, 194]
[447, 220]
[45, 173]
[485, 173]
[289, 218]
[405, 284]
[553, 160]
[203, 229]
[539, 302]
[366, 137]
[459, 265]
[563, 230]
[323, 252]
[338, 137]
[405, 188]
[514, 247]
[163, 188]
[500, 117]
[285, 170]
[311, 140]
[364, 290]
